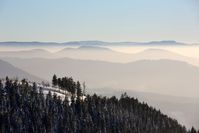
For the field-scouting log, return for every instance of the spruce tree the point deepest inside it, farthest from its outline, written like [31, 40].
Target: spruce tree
[79, 90]
[54, 80]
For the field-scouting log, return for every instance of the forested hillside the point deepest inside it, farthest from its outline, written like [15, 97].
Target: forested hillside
[25, 109]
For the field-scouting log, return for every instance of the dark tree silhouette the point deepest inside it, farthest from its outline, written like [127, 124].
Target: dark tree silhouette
[54, 80]
[79, 89]
[25, 109]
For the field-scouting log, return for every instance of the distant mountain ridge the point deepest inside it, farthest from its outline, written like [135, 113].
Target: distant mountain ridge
[167, 42]
[90, 48]
[106, 54]
[100, 53]
[96, 43]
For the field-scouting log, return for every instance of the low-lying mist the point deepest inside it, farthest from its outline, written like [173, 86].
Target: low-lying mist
[165, 77]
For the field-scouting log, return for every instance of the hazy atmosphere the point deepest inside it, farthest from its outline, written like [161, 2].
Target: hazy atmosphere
[148, 49]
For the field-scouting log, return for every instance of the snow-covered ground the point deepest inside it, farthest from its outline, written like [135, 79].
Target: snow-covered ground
[53, 89]
[48, 88]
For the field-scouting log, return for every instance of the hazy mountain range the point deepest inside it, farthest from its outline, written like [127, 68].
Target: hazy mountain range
[11, 71]
[159, 76]
[96, 43]
[26, 53]
[149, 70]
[105, 54]
[164, 79]
[101, 54]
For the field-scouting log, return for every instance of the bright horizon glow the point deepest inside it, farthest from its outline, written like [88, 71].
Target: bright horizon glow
[67, 20]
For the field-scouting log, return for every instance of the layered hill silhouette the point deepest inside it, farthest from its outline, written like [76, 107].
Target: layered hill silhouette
[101, 54]
[6, 69]
[105, 54]
[159, 76]
[26, 53]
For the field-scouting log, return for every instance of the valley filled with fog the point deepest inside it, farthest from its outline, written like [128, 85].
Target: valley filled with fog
[164, 74]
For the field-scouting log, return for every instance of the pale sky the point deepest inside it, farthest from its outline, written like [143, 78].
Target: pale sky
[106, 20]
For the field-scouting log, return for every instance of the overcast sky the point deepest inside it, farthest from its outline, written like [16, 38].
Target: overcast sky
[106, 20]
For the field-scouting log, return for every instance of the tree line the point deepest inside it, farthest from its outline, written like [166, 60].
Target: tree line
[25, 109]
[68, 84]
